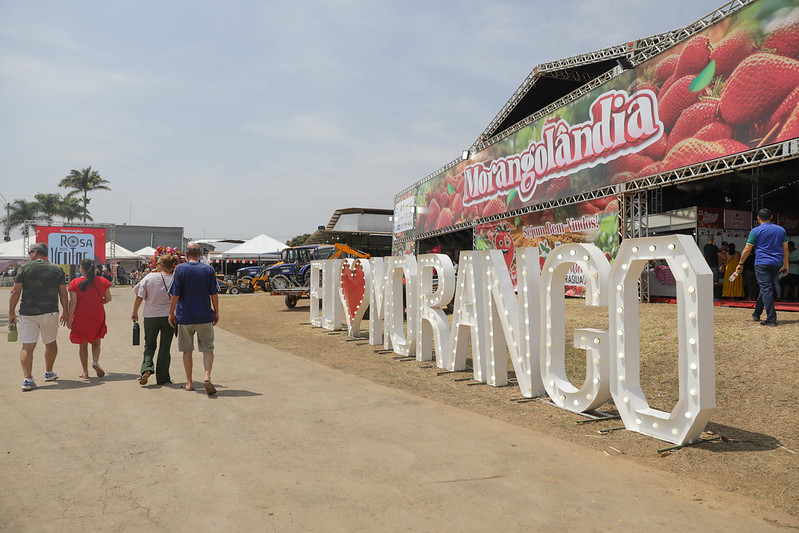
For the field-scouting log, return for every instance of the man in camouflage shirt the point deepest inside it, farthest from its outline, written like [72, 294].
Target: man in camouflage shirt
[41, 285]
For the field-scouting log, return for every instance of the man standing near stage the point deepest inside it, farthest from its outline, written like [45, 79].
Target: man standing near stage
[195, 310]
[770, 243]
[711, 253]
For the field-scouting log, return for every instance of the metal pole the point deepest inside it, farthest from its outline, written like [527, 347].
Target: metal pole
[7, 234]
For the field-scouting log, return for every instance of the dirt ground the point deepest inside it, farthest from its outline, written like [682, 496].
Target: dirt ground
[756, 390]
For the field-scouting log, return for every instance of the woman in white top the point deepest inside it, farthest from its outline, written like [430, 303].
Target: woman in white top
[153, 289]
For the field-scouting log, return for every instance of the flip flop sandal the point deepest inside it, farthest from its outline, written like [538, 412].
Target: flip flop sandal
[209, 388]
[100, 371]
[190, 389]
[144, 377]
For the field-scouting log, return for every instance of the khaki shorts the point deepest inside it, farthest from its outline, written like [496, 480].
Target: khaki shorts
[205, 337]
[30, 326]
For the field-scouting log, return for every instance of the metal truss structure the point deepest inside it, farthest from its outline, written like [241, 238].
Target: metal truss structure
[751, 159]
[584, 89]
[669, 39]
[635, 224]
[429, 176]
[635, 195]
[635, 52]
[110, 232]
[610, 190]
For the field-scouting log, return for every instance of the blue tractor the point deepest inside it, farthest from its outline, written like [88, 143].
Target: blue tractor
[294, 269]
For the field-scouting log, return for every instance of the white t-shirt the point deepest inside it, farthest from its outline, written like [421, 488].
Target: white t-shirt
[154, 290]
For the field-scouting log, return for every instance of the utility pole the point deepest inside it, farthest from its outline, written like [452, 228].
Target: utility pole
[7, 234]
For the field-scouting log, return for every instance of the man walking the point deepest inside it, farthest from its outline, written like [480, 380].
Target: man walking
[770, 243]
[41, 284]
[194, 308]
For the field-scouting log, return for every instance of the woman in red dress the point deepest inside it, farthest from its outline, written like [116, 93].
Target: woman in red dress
[86, 318]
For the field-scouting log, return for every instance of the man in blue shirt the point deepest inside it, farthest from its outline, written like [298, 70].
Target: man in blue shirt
[770, 243]
[195, 309]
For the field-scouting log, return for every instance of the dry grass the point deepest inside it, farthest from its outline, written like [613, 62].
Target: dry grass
[757, 373]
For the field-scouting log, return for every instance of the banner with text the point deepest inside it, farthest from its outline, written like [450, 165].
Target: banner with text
[727, 89]
[69, 246]
[595, 222]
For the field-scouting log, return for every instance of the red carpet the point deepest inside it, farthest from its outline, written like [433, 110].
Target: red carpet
[747, 304]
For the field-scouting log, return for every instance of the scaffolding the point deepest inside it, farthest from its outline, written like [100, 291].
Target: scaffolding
[630, 54]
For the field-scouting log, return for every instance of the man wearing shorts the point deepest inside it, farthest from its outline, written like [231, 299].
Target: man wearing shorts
[195, 310]
[41, 284]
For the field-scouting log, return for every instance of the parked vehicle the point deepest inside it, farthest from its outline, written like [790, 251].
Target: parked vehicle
[223, 285]
[250, 271]
[292, 276]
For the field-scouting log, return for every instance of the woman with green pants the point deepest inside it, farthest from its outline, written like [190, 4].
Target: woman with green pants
[153, 289]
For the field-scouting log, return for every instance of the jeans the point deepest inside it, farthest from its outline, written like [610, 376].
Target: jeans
[152, 328]
[769, 281]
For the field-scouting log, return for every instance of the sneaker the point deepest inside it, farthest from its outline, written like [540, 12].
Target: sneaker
[28, 384]
[51, 376]
[769, 323]
[755, 317]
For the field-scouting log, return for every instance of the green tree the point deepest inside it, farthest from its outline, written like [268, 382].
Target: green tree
[83, 182]
[49, 205]
[19, 211]
[299, 240]
[71, 209]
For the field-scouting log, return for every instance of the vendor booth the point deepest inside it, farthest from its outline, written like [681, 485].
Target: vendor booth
[625, 142]
[258, 251]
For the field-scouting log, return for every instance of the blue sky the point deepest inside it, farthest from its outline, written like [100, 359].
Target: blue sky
[235, 118]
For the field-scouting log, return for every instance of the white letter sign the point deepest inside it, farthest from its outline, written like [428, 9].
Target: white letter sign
[595, 267]
[697, 379]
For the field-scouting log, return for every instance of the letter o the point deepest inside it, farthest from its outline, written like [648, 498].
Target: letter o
[697, 381]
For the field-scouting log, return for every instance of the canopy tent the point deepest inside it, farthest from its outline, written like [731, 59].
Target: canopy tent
[121, 253]
[12, 250]
[260, 247]
[146, 252]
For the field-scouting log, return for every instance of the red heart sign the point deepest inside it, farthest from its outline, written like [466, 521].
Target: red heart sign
[353, 287]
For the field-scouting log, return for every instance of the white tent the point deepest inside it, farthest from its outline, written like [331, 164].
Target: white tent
[146, 252]
[120, 253]
[13, 250]
[260, 247]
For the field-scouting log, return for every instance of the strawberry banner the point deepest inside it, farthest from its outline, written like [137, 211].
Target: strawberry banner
[728, 89]
[594, 222]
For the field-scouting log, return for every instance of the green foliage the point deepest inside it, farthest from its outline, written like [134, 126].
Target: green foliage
[299, 240]
[19, 211]
[82, 182]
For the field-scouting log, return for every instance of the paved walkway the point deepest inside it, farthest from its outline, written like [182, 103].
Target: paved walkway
[288, 445]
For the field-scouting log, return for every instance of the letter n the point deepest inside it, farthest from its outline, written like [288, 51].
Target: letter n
[513, 321]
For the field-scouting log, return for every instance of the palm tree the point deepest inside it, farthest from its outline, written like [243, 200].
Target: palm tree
[49, 204]
[71, 209]
[19, 211]
[83, 182]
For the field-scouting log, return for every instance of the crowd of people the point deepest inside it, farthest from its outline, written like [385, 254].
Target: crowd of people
[179, 300]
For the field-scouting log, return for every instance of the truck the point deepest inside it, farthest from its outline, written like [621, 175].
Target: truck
[291, 277]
